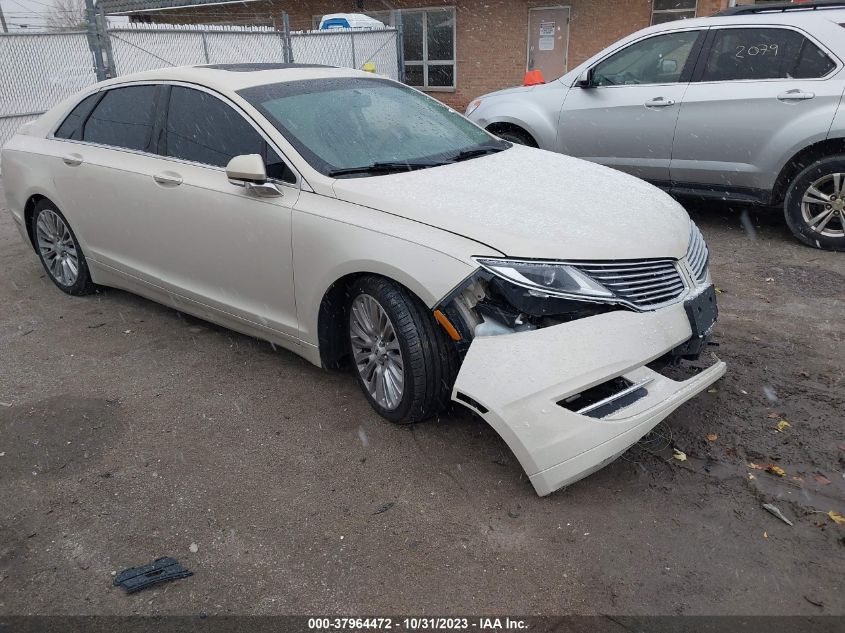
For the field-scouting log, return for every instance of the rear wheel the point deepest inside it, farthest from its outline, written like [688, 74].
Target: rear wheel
[403, 360]
[59, 250]
[815, 204]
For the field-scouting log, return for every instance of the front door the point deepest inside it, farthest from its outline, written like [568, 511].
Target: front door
[626, 117]
[548, 41]
[214, 243]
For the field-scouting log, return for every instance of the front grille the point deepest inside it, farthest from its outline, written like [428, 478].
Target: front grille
[645, 283]
[697, 254]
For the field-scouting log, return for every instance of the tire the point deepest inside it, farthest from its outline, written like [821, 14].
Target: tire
[427, 356]
[822, 224]
[59, 250]
[514, 135]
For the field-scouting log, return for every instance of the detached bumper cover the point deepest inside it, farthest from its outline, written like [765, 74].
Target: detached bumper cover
[518, 379]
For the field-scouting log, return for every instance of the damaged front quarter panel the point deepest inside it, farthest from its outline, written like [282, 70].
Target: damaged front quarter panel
[568, 388]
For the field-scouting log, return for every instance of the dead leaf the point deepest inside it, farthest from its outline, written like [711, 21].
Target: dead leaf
[765, 535]
[751, 477]
[824, 481]
[719, 290]
[836, 517]
[782, 426]
[716, 390]
[712, 437]
[773, 415]
[755, 338]
[776, 470]
[754, 466]
[680, 455]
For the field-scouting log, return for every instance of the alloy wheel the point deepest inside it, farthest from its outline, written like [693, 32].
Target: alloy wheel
[823, 205]
[376, 351]
[57, 247]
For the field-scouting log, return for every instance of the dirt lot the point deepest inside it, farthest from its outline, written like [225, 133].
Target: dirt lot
[129, 432]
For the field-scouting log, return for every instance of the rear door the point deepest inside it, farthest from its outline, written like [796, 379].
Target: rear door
[104, 175]
[626, 118]
[760, 95]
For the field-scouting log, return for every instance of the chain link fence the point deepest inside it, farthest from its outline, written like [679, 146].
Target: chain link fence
[37, 70]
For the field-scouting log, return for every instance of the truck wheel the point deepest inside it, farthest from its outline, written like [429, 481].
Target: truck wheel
[815, 204]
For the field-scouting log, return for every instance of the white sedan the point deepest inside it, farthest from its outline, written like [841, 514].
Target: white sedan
[357, 222]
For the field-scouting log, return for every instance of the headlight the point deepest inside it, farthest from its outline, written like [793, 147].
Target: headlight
[548, 278]
[472, 107]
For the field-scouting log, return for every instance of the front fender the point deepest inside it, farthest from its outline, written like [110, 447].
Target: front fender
[333, 239]
[536, 112]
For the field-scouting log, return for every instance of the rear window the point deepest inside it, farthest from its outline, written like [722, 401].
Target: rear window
[123, 118]
[71, 127]
[764, 53]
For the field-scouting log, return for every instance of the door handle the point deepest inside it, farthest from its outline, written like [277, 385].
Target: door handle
[795, 95]
[168, 178]
[659, 102]
[74, 160]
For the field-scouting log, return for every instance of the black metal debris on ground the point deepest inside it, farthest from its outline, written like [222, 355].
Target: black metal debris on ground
[160, 570]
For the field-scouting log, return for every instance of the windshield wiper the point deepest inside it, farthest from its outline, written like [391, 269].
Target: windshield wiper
[481, 150]
[386, 167]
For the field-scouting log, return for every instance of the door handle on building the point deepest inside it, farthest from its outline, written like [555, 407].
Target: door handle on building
[659, 102]
[168, 178]
[795, 95]
[74, 160]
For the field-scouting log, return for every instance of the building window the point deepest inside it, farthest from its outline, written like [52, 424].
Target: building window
[428, 45]
[429, 48]
[668, 10]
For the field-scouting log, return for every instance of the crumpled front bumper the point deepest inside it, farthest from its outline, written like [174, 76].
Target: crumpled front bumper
[515, 381]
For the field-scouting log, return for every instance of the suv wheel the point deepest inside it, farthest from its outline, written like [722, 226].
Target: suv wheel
[815, 204]
[59, 250]
[403, 360]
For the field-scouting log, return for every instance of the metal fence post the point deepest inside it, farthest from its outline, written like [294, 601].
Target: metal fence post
[400, 46]
[93, 40]
[352, 42]
[205, 48]
[105, 42]
[287, 44]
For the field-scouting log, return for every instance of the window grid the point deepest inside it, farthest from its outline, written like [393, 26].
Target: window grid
[426, 62]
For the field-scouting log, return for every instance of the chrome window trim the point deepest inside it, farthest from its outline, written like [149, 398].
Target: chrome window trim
[299, 182]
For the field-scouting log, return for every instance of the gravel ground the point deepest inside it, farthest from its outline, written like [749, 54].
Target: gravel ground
[129, 431]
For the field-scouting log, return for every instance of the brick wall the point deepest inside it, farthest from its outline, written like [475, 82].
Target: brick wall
[491, 35]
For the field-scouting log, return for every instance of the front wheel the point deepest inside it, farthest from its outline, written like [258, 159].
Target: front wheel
[815, 204]
[403, 361]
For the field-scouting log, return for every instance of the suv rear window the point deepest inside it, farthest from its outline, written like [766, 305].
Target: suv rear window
[764, 53]
[124, 118]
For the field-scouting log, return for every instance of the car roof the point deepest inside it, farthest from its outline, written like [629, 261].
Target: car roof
[234, 77]
[787, 18]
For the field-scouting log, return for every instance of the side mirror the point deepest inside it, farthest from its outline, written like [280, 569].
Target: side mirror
[585, 79]
[248, 171]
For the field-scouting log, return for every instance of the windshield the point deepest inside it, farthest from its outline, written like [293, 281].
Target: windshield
[348, 123]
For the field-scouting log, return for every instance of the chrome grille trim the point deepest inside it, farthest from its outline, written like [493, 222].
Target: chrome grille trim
[646, 284]
[698, 255]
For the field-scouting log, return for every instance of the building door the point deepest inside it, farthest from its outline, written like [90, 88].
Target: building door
[548, 41]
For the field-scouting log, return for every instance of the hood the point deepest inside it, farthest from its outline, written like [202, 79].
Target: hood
[531, 203]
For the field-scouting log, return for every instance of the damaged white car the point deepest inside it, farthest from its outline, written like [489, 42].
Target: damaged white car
[356, 221]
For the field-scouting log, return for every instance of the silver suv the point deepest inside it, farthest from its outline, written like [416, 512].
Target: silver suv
[744, 106]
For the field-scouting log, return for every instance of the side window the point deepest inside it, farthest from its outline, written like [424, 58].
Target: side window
[123, 118]
[203, 129]
[656, 60]
[71, 127]
[764, 53]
